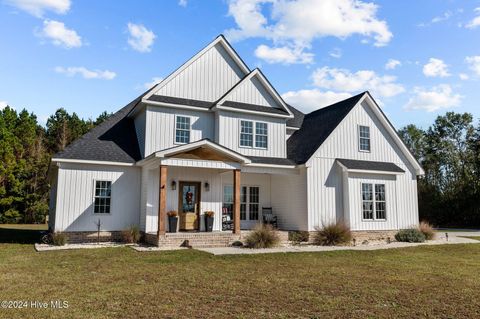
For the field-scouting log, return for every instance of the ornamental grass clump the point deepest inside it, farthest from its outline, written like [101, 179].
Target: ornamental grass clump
[298, 237]
[131, 235]
[58, 239]
[427, 230]
[333, 234]
[262, 236]
[411, 235]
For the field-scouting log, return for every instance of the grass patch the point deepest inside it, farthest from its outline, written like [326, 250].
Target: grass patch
[122, 283]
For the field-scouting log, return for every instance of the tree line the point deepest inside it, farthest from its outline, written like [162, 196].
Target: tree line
[26, 148]
[448, 150]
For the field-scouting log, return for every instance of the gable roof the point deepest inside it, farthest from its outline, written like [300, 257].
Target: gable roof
[227, 98]
[115, 140]
[317, 127]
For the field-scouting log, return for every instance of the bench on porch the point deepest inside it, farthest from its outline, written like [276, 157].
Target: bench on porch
[268, 217]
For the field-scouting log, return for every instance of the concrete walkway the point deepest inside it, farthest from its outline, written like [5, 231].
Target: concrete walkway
[453, 238]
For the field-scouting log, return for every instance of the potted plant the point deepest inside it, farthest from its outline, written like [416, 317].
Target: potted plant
[172, 221]
[209, 220]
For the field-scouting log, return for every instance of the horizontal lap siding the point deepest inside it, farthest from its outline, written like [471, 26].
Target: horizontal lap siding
[206, 78]
[229, 134]
[160, 130]
[325, 178]
[74, 211]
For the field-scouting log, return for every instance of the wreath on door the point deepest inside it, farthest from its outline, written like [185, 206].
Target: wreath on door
[189, 197]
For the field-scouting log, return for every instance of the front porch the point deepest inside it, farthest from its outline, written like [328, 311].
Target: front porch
[203, 180]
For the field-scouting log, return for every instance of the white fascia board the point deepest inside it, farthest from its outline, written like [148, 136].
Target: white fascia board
[364, 171]
[273, 92]
[232, 109]
[79, 161]
[177, 106]
[271, 166]
[293, 128]
[393, 133]
[186, 147]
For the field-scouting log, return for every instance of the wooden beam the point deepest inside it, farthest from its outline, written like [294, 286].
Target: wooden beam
[236, 201]
[162, 200]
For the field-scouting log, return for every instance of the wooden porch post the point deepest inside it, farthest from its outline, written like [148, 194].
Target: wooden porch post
[162, 200]
[236, 201]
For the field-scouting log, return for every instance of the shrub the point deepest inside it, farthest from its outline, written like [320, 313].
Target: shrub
[131, 235]
[411, 235]
[237, 243]
[209, 213]
[333, 234]
[58, 239]
[298, 237]
[427, 230]
[262, 236]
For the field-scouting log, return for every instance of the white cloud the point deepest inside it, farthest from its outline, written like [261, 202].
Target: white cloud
[310, 100]
[283, 55]
[336, 53]
[435, 68]
[86, 73]
[3, 104]
[475, 22]
[346, 81]
[182, 3]
[298, 23]
[60, 35]
[392, 64]
[445, 16]
[463, 76]
[152, 83]
[37, 8]
[140, 39]
[474, 63]
[437, 98]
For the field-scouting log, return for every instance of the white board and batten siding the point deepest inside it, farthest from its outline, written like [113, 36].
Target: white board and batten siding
[252, 91]
[325, 181]
[140, 125]
[206, 78]
[229, 134]
[210, 200]
[75, 197]
[160, 127]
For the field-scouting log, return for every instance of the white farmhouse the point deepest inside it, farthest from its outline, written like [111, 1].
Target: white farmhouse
[216, 136]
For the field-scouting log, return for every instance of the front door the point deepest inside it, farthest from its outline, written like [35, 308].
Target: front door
[189, 206]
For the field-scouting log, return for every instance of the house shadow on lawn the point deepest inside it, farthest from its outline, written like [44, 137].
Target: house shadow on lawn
[21, 234]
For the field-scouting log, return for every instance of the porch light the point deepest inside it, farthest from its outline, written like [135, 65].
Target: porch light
[207, 186]
[173, 185]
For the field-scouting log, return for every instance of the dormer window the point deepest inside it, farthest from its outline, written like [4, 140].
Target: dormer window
[182, 130]
[364, 138]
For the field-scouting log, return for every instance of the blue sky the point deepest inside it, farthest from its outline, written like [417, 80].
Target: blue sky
[418, 58]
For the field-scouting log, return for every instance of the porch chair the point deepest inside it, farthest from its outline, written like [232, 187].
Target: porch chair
[268, 217]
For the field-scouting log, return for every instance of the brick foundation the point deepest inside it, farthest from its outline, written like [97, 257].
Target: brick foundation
[374, 236]
[92, 237]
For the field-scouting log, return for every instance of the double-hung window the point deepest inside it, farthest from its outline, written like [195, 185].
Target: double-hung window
[103, 196]
[364, 138]
[253, 134]
[182, 130]
[246, 133]
[374, 204]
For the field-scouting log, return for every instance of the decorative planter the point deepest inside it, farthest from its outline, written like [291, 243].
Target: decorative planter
[172, 224]
[208, 223]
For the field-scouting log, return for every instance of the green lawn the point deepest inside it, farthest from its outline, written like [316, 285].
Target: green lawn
[425, 282]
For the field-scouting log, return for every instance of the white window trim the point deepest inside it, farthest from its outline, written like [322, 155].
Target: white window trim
[175, 130]
[111, 196]
[247, 203]
[374, 211]
[254, 134]
[359, 138]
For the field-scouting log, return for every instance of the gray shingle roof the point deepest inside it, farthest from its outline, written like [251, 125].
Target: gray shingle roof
[297, 120]
[370, 166]
[316, 128]
[254, 107]
[115, 140]
[271, 160]
[180, 101]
